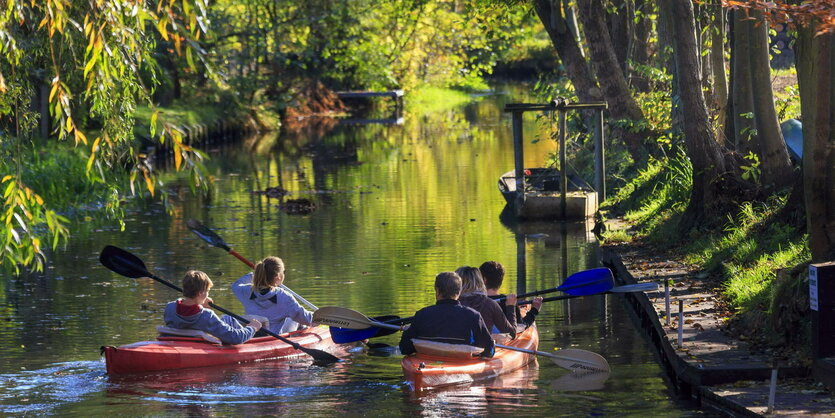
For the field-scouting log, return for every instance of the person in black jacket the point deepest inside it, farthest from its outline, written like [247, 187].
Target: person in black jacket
[493, 274]
[448, 321]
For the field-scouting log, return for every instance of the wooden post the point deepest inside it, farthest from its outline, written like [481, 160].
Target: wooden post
[822, 304]
[563, 171]
[667, 301]
[521, 264]
[599, 161]
[519, 161]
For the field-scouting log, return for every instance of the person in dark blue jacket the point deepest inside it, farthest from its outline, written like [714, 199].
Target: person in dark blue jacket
[448, 321]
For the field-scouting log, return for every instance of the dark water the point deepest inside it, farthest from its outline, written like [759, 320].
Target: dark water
[396, 205]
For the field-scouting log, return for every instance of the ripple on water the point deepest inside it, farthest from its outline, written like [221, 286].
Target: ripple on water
[45, 389]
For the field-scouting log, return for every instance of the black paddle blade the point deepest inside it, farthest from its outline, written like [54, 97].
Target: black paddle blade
[123, 262]
[206, 234]
[320, 357]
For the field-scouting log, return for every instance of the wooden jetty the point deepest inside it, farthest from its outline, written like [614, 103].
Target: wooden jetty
[540, 200]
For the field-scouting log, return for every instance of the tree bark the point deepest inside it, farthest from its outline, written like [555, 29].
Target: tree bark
[774, 157]
[717, 58]
[743, 98]
[665, 53]
[640, 49]
[704, 152]
[620, 28]
[622, 105]
[815, 60]
[576, 67]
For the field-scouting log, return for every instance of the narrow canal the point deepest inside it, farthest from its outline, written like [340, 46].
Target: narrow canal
[396, 204]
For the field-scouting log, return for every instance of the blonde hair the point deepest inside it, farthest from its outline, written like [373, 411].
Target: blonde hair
[471, 281]
[196, 282]
[266, 273]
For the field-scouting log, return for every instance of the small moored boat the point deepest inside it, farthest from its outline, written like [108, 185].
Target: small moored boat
[178, 352]
[542, 198]
[427, 371]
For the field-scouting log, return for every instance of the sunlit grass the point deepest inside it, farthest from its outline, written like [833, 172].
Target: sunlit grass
[433, 99]
[617, 235]
[59, 175]
[745, 254]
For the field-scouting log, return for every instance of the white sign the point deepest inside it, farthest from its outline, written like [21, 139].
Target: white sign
[813, 288]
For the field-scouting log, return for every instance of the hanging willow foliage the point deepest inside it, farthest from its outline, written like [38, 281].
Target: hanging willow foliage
[95, 62]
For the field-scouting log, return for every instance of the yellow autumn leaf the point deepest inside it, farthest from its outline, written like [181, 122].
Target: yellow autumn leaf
[149, 182]
[79, 136]
[178, 156]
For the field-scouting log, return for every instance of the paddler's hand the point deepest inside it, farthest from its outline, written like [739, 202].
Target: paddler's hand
[207, 304]
[511, 300]
[537, 303]
[254, 323]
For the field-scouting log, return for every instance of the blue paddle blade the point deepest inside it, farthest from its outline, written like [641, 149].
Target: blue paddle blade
[345, 335]
[588, 282]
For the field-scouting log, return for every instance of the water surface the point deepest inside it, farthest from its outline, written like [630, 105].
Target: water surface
[396, 204]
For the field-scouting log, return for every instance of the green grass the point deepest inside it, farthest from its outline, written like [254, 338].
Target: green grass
[617, 235]
[434, 99]
[745, 255]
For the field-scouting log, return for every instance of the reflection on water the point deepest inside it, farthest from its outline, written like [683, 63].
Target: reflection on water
[395, 205]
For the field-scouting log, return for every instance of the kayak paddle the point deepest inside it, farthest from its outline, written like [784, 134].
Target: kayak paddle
[572, 359]
[581, 283]
[637, 287]
[129, 265]
[345, 335]
[215, 240]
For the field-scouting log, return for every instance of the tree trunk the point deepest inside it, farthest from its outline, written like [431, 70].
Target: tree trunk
[743, 98]
[665, 49]
[576, 67]
[704, 152]
[640, 49]
[774, 157]
[815, 60]
[622, 105]
[717, 58]
[620, 23]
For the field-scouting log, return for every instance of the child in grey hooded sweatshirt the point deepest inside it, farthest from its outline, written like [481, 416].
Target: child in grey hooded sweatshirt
[192, 312]
[260, 294]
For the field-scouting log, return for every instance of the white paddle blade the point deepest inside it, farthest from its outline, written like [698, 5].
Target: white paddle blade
[579, 360]
[637, 287]
[341, 317]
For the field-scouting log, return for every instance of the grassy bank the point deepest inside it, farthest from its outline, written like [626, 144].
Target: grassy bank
[756, 258]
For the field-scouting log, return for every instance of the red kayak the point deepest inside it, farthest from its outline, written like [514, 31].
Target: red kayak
[172, 352]
[426, 371]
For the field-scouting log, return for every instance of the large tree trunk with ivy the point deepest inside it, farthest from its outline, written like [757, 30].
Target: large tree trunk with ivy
[815, 61]
[667, 60]
[743, 97]
[774, 157]
[717, 58]
[705, 153]
[550, 12]
[640, 48]
[622, 106]
[620, 29]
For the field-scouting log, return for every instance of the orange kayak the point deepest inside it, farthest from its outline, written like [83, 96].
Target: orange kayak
[425, 371]
[182, 352]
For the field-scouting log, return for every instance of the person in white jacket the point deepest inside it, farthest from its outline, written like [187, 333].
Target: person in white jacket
[261, 295]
